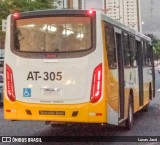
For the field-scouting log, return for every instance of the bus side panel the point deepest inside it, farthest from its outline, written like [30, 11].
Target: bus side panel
[110, 86]
[136, 90]
[128, 79]
[113, 97]
[147, 79]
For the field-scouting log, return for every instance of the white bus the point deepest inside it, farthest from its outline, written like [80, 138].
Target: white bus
[75, 66]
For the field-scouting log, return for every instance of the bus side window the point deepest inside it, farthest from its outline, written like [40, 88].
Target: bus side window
[110, 45]
[148, 54]
[144, 53]
[126, 50]
[133, 61]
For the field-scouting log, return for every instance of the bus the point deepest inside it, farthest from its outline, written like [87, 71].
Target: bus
[75, 66]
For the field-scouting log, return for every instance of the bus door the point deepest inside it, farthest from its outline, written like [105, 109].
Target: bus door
[121, 73]
[140, 71]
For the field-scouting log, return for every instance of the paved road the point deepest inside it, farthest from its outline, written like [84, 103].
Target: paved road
[145, 124]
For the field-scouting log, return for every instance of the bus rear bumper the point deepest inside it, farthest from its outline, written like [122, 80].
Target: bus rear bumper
[86, 112]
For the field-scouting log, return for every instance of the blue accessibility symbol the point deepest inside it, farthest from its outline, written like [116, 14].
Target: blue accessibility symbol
[26, 92]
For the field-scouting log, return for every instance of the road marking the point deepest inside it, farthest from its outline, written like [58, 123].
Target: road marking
[158, 90]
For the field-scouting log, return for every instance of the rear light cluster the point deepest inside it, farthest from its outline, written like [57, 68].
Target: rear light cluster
[10, 84]
[96, 87]
[16, 15]
[91, 11]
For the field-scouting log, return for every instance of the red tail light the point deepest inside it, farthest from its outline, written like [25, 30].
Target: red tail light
[10, 84]
[90, 12]
[96, 88]
[16, 15]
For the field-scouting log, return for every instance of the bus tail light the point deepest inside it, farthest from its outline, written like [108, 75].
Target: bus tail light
[96, 87]
[90, 11]
[10, 84]
[16, 15]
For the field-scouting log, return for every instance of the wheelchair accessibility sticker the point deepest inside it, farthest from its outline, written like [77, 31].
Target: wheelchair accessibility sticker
[26, 92]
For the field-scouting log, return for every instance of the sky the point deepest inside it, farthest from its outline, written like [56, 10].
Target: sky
[98, 4]
[150, 15]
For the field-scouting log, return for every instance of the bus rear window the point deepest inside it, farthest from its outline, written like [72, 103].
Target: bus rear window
[53, 34]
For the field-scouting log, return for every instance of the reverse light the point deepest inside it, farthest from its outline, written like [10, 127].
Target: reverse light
[95, 114]
[10, 84]
[96, 87]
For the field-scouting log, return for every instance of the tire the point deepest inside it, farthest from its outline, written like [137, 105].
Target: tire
[145, 108]
[129, 120]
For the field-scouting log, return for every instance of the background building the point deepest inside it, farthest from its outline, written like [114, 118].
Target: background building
[96, 4]
[125, 11]
[70, 4]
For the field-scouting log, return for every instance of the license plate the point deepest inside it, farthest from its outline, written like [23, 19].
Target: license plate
[49, 92]
[42, 112]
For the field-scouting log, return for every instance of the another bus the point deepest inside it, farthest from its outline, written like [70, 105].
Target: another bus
[68, 66]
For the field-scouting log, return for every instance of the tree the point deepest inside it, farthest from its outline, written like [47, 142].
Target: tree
[10, 6]
[155, 44]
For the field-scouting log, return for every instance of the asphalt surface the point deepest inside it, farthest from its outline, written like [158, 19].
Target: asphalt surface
[145, 124]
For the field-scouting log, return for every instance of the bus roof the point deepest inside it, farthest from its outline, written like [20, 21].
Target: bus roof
[124, 27]
[103, 16]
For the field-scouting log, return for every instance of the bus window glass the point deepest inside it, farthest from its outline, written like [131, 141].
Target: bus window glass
[53, 34]
[126, 50]
[144, 53]
[148, 54]
[111, 50]
[133, 61]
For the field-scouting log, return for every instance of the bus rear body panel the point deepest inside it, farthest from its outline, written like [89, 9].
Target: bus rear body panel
[68, 95]
[59, 88]
[86, 112]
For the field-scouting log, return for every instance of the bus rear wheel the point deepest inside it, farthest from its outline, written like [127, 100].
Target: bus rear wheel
[129, 120]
